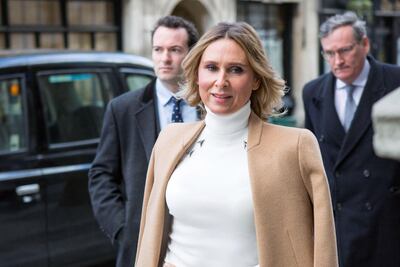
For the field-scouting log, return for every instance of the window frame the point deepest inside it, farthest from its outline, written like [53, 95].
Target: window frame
[25, 112]
[125, 71]
[108, 71]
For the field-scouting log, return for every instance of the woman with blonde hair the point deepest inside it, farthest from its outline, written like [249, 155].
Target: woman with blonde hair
[233, 190]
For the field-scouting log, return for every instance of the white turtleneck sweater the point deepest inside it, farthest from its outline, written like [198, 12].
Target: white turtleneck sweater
[209, 197]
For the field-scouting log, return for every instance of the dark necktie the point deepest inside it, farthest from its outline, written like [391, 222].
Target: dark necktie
[350, 107]
[176, 110]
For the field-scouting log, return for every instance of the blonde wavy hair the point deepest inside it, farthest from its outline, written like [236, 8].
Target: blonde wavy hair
[267, 99]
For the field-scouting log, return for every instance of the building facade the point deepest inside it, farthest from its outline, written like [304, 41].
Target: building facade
[60, 24]
[288, 28]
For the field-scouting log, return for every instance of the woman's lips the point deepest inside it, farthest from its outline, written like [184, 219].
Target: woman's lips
[220, 96]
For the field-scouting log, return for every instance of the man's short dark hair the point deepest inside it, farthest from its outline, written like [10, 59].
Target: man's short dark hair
[175, 22]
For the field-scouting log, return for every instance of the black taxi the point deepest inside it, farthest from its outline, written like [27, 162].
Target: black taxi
[51, 114]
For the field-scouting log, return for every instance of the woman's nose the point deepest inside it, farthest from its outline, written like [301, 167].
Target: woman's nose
[221, 81]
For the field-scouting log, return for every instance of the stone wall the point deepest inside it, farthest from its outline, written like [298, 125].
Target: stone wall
[386, 122]
[139, 17]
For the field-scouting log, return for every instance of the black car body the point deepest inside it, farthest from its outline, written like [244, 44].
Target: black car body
[51, 113]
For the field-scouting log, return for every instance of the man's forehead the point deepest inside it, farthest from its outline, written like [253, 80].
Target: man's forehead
[163, 33]
[344, 32]
[339, 37]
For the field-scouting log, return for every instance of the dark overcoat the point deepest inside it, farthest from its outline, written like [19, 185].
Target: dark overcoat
[117, 176]
[365, 189]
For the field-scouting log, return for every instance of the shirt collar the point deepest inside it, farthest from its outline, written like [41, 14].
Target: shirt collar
[360, 81]
[163, 94]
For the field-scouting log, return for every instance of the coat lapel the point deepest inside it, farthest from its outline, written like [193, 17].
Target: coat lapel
[172, 156]
[331, 127]
[255, 131]
[147, 119]
[373, 90]
[261, 158]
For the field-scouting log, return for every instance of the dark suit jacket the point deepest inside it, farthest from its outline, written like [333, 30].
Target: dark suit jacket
[364, 188]
[117, 176]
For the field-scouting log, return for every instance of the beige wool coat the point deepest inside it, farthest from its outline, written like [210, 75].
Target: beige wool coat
[292, 206]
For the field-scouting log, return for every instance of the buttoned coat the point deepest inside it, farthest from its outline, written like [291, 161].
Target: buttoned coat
[364, 188]
[292, 208]
[117, 176]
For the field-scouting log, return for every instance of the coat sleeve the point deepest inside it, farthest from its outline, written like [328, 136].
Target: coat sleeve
[105, 179]
[313, 174]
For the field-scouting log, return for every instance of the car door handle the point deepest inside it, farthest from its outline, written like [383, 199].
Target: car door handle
[28, 192]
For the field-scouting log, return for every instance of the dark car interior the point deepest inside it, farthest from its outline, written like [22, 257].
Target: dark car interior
[51, 114]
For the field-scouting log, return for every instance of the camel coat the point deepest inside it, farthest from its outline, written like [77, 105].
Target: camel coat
[292, 206]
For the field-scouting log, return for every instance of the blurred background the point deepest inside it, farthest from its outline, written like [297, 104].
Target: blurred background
[288, 28]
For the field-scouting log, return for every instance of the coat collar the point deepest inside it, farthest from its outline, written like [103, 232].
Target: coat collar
[255, 131]
[254, 135]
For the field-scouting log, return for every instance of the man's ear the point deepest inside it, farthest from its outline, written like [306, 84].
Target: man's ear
[365, 43]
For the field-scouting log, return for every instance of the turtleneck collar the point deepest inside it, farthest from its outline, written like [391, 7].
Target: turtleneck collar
[230, 123]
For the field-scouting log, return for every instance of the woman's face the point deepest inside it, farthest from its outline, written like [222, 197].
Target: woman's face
[225, 77]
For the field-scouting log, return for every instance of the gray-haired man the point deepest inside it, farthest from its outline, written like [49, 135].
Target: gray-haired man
[365, 189]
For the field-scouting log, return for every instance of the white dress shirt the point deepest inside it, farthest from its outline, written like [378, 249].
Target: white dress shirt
[164, 106]
[341, 93]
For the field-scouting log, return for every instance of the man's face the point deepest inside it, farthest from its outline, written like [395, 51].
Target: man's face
[170, 46]
[344, 54]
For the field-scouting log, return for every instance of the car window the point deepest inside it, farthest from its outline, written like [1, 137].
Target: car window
[136, 81]
[74, 105]
[12, 126]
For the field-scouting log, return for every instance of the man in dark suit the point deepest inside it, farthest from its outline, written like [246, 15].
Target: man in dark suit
[364, 188]
[131, 125]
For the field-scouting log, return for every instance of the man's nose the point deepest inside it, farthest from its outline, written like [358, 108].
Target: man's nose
[338, 58]
[165, 56]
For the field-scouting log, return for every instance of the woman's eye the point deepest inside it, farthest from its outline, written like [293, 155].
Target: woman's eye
[236, 69]
[211, 67]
